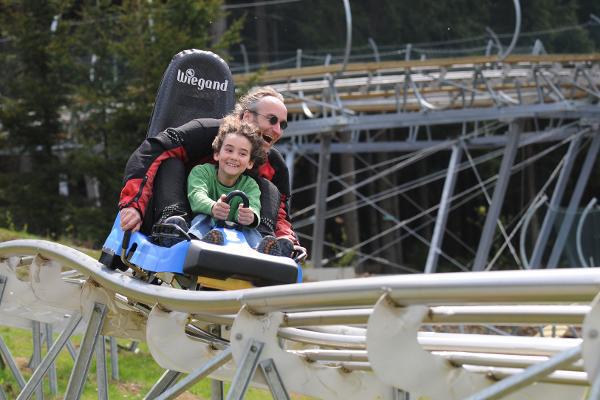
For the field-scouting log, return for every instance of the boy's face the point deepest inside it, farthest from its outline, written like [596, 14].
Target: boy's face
[234, 156]
[266, 108]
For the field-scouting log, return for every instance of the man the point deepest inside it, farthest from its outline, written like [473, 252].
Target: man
[142, 205]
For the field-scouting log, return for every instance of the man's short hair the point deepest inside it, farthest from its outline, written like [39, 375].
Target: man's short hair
[251, 99]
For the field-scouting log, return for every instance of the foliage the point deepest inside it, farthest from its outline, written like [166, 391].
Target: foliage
[320, 27]
[30, 113]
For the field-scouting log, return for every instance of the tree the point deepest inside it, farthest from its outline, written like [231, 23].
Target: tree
[34, 94]
[319, 27]
[134, 42]
[100, 69]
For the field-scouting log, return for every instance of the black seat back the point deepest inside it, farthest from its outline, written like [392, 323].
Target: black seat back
[196, 84]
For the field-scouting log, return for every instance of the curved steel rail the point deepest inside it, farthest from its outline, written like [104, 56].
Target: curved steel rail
[582, 219]
[507, 287]
[515, 37]
[176, 319]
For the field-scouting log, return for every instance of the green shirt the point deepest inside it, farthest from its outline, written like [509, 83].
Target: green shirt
[204, 189]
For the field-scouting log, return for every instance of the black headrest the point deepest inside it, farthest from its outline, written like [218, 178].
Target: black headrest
[196, 84]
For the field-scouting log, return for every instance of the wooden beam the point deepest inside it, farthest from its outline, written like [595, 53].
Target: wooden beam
[290, 74]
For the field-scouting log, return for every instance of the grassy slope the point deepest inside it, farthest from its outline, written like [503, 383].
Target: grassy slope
[6, 235]
[137, 371]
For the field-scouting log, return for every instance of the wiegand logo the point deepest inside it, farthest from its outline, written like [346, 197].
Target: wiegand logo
[189, 77]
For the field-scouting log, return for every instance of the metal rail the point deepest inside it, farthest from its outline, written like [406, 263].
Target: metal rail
[310, 314]
[507, 287]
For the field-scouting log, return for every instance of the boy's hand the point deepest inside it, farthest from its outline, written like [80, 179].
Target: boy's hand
[245, 215]
[220, 209]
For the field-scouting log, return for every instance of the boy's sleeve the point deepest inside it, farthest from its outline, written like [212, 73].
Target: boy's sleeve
[199, 190]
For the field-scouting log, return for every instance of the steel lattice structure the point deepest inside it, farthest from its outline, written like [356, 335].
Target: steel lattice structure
[478, 102]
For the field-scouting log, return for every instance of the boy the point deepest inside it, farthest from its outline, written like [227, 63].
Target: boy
[237, 148]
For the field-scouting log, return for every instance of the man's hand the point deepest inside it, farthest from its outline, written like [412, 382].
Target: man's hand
[300, 253]
[220, 209]
[130, 219]
[245, 215]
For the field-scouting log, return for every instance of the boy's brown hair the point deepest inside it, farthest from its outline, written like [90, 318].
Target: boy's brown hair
[233, 125]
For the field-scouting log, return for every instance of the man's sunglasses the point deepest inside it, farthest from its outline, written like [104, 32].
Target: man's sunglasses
[273, 120]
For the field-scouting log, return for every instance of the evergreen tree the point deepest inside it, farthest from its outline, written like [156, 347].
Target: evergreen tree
[34, 97]
[319, 27]
[132, 44]
[87, 84]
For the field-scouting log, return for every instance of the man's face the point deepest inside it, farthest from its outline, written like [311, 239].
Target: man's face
[267, 108]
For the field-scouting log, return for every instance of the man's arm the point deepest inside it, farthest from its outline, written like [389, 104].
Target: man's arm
[283, 226]
[276, 171]
[187, 142]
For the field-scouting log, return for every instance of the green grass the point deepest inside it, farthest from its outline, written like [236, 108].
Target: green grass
[137, 371]
[7, 234]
